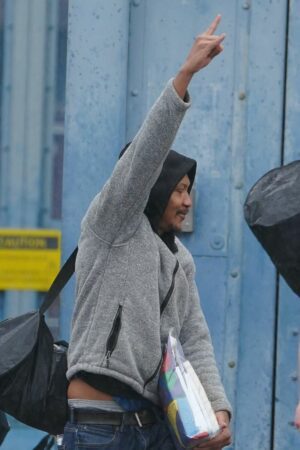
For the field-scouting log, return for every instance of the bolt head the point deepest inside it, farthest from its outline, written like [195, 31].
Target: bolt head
[234, 274]
[217, 242]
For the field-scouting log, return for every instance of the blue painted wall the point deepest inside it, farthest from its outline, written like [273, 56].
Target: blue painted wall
[287, 390]
[95, 118]
[242, 123]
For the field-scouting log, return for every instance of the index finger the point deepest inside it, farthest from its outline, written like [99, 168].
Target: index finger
[213, 26]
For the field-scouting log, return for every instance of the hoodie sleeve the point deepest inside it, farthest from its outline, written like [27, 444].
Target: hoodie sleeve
[116, 211]
[197, 346]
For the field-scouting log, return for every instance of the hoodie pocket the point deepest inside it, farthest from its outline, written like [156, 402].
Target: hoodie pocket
[113, 335]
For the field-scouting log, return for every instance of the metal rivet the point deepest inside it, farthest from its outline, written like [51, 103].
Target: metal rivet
[134, 93]
[136, 2]
[242, 95]
[234, 274]
[217, 242]
[295, 332]
[246, 5]
[294, 377]
[239, 185]
[231, 364]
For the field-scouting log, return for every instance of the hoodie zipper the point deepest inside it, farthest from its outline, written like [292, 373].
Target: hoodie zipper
[170, 291]
[113, 335]
[162, 308]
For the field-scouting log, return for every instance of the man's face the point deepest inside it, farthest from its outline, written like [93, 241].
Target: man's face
[177, 207]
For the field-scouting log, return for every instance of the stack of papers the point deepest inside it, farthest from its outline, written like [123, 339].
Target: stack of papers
[189, 413]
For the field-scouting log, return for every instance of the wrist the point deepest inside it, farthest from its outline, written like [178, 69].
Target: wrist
[223, 416]
[181, 81]
[185, 73]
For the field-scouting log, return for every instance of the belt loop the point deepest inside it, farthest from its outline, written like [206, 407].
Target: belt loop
[72, 414]
[122, 422]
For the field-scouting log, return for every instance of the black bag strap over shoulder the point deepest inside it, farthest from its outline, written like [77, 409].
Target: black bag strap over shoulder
[60, 281]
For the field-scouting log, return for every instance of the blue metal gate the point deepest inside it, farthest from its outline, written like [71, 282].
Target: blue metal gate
[241, 125]
[286, 389]
[243, 122]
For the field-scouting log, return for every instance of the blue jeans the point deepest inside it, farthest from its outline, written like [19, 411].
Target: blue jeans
[125, 437]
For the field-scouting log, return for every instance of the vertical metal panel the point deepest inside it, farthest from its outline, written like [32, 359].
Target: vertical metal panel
[264, 96]
[161, 35]
[211, 276]
[19, 21]
[236, 181]
[28, 20]
[32, 140]
[287, 386]
[95, 111]
[23, 97]
[45, 218]
[292, 132]
[5, 114]
[23, 108]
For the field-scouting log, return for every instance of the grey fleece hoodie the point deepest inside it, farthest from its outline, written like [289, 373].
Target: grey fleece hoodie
[125, 271]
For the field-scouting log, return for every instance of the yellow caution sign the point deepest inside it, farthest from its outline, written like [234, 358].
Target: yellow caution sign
[29, 259]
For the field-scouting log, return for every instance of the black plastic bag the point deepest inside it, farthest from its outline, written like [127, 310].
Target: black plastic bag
[4, 427]
[33, 383]
[272, 211]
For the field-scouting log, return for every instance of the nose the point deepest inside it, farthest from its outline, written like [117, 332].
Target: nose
[187, 200]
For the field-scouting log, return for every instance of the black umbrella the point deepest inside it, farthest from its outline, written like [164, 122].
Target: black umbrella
[272, 211]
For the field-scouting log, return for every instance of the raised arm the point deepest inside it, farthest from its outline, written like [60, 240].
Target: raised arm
[116, 212]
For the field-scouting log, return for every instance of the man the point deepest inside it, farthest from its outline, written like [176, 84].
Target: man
[135, 281]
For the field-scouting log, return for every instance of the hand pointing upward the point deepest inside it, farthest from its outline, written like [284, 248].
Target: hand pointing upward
[205, 47]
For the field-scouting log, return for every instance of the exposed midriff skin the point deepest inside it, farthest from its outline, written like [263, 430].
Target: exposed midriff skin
[79, 389]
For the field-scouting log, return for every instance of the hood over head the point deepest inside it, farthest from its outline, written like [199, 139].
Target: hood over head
[175, 167]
